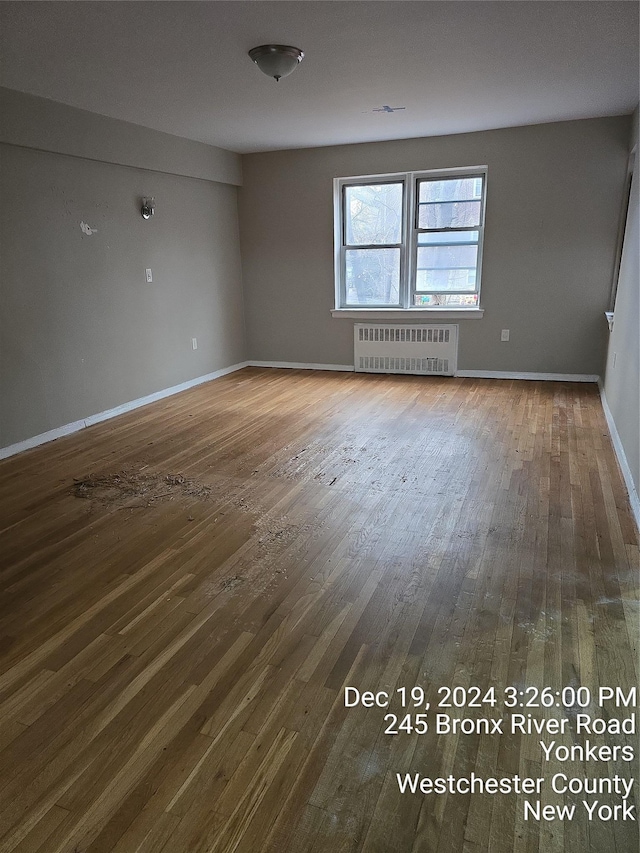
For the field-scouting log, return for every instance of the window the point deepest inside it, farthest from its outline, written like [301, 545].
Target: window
[410, 241]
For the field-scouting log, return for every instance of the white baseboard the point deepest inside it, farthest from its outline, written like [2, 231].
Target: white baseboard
[474, 374]
[621, 456]
[299, 365]
[540, 377]
[67, 429]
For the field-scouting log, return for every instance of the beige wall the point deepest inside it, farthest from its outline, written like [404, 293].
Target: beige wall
[622, 374]
[33, 122]
[81, 331]
[553, 199]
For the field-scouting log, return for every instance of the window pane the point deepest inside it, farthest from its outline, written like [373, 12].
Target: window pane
[436, 300]
[450, 203]
[373, 276]
[448, 189]
[458, 214]
[435, 238]
[446, 268]
[373, 214]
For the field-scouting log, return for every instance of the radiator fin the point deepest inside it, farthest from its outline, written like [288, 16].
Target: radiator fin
[389, 364]
[404, 335]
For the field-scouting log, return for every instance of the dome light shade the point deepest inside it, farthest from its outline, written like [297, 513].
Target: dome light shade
[276, 60]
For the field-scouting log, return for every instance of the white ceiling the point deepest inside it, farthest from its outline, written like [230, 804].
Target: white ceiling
[182, 67]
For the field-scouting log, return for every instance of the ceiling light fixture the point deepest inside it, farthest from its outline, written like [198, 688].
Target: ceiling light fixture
[276, 60]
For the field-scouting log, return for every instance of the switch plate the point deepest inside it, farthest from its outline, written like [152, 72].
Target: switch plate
[194, 343]
[149, 275]
[504, 335]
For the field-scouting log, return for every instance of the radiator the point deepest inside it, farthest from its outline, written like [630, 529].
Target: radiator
[424, 350]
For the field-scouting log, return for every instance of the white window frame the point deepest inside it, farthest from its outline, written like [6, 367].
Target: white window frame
[408, 246]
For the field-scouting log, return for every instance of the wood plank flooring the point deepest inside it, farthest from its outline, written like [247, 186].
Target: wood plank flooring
[188, 589]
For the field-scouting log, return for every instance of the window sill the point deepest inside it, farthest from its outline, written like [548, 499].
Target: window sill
[408, 313]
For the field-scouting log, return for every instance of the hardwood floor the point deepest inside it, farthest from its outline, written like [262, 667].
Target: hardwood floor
[188, 589]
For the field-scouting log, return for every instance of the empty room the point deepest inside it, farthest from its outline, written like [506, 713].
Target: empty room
[319, 427]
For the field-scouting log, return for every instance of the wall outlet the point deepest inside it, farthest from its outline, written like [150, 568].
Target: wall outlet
[504, 335]
[149, 275]
[194, 343]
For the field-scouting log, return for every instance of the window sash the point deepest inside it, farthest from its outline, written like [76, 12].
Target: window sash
[382, 183]
[372, 303]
